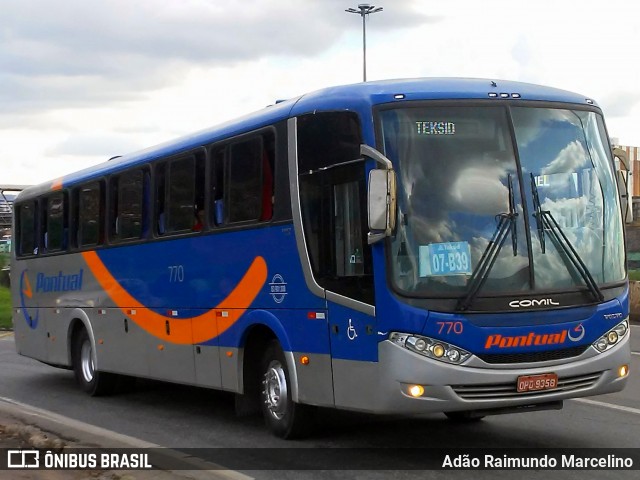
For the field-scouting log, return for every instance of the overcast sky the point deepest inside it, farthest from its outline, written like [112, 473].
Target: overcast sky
[84, 80]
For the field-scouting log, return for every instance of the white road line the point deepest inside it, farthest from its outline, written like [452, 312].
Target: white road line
[611, 406]
[94, 435]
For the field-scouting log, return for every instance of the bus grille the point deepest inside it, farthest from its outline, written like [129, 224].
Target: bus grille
[509, 390]
[533, 356]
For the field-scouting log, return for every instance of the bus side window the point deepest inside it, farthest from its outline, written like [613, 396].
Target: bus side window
[114, 210]
[44, 237]
[26, 216]
[242, 180]
[268, 156]
[160, 178]
[181, 195]
[217, 186]
[199, 204]
[146, 203]
[245, 180]
[127, 202]
[91, 215]
[55, 222]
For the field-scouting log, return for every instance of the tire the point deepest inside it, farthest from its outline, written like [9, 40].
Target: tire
[91, 381]
[283, 417]
[463, 417]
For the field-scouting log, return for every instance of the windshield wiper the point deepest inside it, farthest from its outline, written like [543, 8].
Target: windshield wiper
[546, 221]
[538, 213]
[506, 225]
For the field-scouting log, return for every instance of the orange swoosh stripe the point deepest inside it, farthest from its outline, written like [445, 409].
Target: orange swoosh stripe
[184, 331]
[27, 287]
[57, 184]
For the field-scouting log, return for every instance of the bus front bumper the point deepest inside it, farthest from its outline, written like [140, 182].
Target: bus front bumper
[385, 386]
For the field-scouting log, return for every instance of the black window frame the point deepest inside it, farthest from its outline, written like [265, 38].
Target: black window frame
[118, 215]
[221, 184]
[164, 224]
[81, 210]
[47, 244]
[20, 221]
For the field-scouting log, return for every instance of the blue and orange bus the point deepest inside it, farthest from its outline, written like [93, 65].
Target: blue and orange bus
[410, 246]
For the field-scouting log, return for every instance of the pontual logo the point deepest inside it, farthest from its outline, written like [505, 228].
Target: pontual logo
[59, 283]
[574, 334]
[542, 302]
[504, 341]
[26, 301]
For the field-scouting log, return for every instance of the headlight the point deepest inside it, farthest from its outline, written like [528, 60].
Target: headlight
[454, 355]
[612, 337]
[429, 347]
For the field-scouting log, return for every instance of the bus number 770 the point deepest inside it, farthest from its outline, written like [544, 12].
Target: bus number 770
[449, 327]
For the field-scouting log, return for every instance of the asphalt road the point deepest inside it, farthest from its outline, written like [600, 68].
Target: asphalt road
[184, 417]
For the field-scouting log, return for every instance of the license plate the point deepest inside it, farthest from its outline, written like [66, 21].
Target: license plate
[533, 383]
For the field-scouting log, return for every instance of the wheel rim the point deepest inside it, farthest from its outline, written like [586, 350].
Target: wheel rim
[86, 361]
[275, 390]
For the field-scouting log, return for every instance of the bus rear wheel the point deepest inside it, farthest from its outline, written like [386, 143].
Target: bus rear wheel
[93, 382]
[284, 417]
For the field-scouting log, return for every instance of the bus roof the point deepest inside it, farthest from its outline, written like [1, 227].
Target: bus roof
[358, 97]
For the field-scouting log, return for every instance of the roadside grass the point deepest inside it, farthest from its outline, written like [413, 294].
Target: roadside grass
[5, 308]
[634, 275]
[5, 297]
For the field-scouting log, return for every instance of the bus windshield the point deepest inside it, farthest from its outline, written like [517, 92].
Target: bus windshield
[475, 184]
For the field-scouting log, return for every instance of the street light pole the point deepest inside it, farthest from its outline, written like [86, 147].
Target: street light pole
[364, 9]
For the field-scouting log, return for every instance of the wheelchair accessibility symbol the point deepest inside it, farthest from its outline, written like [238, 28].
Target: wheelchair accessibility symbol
[351, 331]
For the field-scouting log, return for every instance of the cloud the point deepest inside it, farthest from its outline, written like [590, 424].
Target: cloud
[569, 159]
[94, 145]
[521, 51]
[620, 103]
[478, 190]
[78, 52]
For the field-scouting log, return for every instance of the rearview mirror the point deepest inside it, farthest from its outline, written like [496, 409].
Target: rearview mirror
[381, 200]
[378, 204]
[623, 176]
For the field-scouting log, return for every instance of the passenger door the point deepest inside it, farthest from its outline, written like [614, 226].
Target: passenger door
[332, 189]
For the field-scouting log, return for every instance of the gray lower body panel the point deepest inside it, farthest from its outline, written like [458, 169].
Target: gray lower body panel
[382, 387]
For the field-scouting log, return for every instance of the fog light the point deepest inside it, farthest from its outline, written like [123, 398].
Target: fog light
[623, 371]
[420, 344]
[438, 350]
[416, 390]
[612, 337]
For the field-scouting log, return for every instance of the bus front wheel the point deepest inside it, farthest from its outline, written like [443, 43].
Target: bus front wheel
[284, 417]
[93, 382]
